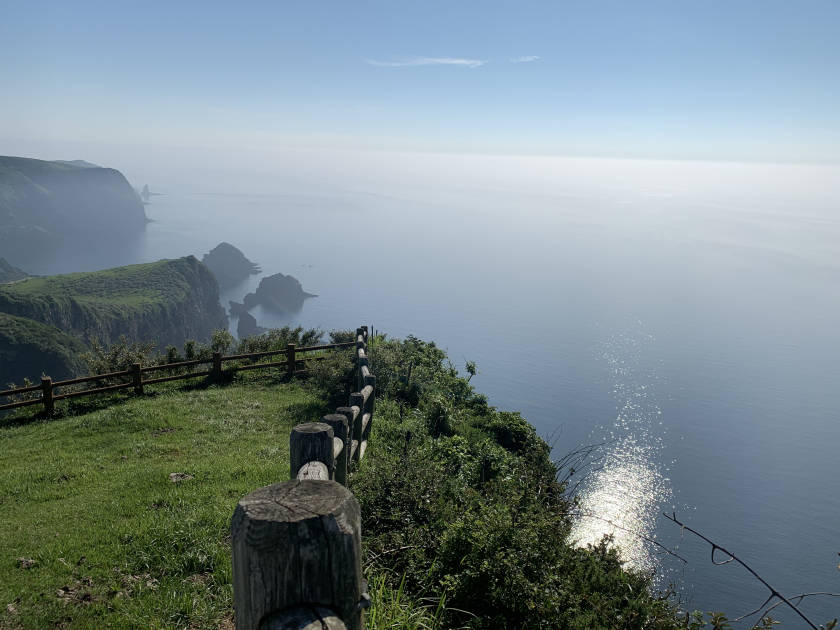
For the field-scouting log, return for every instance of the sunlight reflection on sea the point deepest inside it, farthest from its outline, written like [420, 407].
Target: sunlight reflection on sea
[622, 495]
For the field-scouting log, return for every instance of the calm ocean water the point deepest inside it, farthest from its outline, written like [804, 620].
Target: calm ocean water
[685, 316]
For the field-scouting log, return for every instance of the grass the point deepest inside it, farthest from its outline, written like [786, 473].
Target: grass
[95, 534]
[131, 286]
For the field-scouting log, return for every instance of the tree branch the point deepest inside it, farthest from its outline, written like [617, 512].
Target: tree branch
[773, 592]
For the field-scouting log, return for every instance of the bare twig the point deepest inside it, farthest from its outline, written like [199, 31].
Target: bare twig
[630, 531]
[376, 556]
[799, 597]
[580, 460]
[773, 592]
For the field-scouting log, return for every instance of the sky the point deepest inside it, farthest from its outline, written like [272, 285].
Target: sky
[753, 80]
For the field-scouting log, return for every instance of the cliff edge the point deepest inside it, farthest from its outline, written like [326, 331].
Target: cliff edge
[168, 301]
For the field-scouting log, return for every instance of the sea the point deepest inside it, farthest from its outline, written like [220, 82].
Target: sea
[671, 328]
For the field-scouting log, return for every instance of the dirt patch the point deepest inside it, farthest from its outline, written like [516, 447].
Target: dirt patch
[80, 592]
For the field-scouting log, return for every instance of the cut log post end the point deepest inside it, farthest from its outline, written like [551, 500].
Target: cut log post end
[293, 543]
[311, 442]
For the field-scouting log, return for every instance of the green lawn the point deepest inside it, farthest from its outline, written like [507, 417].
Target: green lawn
[95, 535]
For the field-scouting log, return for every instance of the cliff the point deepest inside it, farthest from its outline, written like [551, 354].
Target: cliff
[168, 301]
[43, 202]
[29, 348]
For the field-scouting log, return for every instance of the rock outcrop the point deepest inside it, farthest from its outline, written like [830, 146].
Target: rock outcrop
[247, 326]
[278, 293]
[229, 265]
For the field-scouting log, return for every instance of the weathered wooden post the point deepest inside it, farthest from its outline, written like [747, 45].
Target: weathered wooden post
[47, 395]
[217, 366]
[341, 444]
[297, 558]
[369, 381]
[137, 378]
[311, 451]
[357, 400]
[290, 360]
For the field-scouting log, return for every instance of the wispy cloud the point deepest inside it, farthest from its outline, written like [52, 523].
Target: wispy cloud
[525, 59]
[427, 61]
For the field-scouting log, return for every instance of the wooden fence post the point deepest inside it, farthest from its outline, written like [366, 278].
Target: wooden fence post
[311, 445]
[290, 360]
[47, 395]
[360, 345]
[357, 400]
[137, 378]
[341, 434]
[217, 366]
[347, 412]
[297, 546]
[370, 379]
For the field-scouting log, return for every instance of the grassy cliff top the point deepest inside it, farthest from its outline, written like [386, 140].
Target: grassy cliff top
[133, 285]
[94, 533]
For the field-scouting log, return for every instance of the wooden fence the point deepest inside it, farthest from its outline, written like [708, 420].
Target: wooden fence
[297, 544]
[136, 377]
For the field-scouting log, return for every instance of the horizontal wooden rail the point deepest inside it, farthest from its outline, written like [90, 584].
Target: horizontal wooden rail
[21, 403]
[257, 366]
[253, 355]
[21, 390]
[292, 360]
[172, 366]
[327, 346]
[87, 379]
[268, 353]
[98, 390]
[176, 377]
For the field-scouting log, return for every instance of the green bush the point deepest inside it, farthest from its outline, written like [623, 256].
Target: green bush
[119, 356]
[462, 501]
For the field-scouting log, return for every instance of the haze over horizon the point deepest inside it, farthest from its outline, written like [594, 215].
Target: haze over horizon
[169, 84]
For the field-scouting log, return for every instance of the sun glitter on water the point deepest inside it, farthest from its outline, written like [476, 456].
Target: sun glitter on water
[622, 496]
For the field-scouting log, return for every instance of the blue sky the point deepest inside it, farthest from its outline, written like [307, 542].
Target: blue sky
[746, 80]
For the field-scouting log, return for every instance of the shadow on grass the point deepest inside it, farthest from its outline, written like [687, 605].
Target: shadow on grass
[98, 402]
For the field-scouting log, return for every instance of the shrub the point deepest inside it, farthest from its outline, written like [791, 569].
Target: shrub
[118, 356]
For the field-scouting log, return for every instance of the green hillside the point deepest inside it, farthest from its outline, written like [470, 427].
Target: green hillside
[29, 348]
[168, 301]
